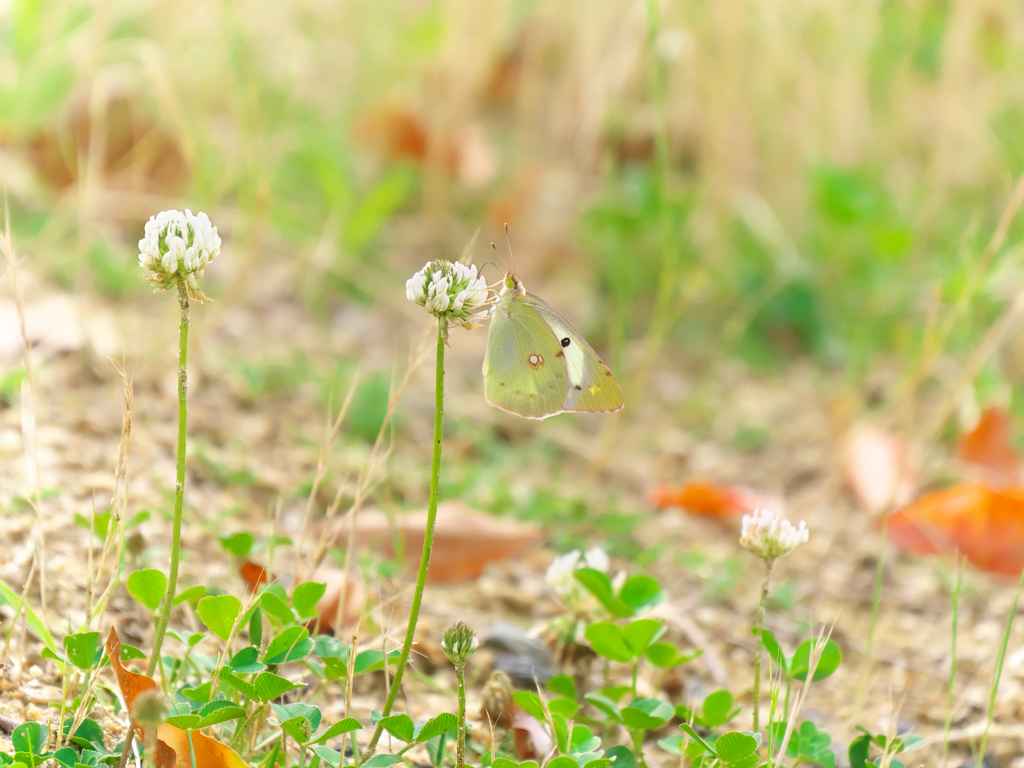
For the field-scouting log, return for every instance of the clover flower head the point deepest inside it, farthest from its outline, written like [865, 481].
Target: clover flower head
[178, 246]
[561, 574]
[769, 536]
[458, 643]
[451, 292]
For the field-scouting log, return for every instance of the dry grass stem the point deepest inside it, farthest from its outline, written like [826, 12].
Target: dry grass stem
[798, 703]
[118, 502]
[303, 568]
[28, 402]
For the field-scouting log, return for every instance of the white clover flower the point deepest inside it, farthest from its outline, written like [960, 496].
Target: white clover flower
[451, 292]
[768, 536]
[561, 574]
[597, 558]
[178, 246]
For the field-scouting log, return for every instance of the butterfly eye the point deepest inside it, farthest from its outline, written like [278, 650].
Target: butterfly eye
[510, 283]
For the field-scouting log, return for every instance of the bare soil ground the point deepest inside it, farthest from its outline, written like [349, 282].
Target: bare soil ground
[682, 427]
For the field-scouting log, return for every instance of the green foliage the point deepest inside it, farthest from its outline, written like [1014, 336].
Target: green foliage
[717, 709]
[219, 613]
[622, 231]
[807, 743]
[859, 752]
[214, 713]
[646, 714]
[190, 594]
[831, 658]
[636, 593]
[83, 650]
[88, 735]
[369, 407]
[238, 544]
[736, 749]
[148, 587]
[436, 726]
[292, 644]
[305, 596]
[797, 666]
[626, 643]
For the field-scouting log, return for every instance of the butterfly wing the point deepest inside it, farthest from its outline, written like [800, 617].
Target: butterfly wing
[591, 385]
[523, 372]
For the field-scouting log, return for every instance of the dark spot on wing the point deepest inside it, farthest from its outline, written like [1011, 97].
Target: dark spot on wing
[502, 383]
[566, 342]
[578, 387]
[559, 353]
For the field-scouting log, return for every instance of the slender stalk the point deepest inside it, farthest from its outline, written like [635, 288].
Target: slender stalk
[999, 671]
[460, 749]
[428, 540]
[179, 483]
[638, 747]
[179, 501]
[955, 604]
[758, 643]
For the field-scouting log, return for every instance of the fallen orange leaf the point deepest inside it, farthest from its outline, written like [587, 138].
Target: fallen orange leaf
[171, 742]
[132, 685]
[137, 151]
[210, 753]
[985, 524]
[877, 468]
[395, 129]
[253, 575]
[464, 540]
[531, 740]
[988, 445]
[327, 607]
[701, 498]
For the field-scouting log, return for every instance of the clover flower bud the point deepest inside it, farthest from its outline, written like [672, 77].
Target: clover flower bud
[450, 292]
[177, 247]
[149, 709]
[459, 643]
[769, 536]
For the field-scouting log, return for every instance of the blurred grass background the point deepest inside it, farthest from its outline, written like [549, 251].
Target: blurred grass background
[769, 180]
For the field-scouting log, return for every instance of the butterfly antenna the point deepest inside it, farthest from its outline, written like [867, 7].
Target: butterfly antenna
[492, 264]
[508, 241]
[500, 256]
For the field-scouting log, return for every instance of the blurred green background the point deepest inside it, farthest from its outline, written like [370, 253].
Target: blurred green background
[768, 180]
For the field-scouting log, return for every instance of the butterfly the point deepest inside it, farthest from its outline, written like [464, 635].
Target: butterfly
[537, 365]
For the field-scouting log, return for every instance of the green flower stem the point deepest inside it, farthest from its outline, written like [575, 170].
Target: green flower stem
[179, 486]
[460, 748]
[638, 747]
[758, 643]
[179, 502]
[428, 541]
